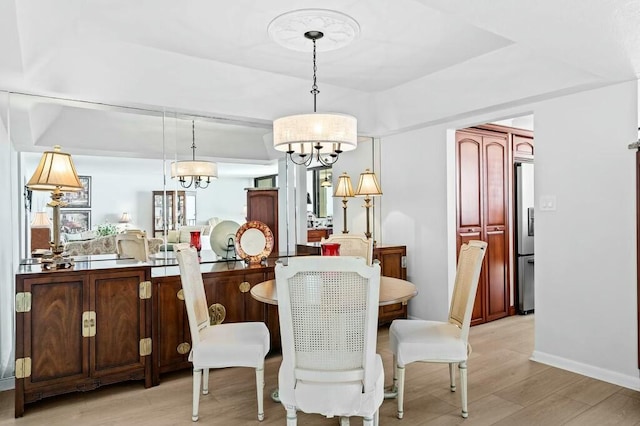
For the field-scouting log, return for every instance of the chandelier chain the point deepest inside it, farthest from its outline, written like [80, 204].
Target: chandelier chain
[314, 87]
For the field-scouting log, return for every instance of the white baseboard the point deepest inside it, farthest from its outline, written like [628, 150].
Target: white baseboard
[7, 384]
[627, 381]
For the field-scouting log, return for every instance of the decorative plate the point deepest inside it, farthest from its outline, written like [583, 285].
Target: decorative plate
[254, 241]
[220, 235]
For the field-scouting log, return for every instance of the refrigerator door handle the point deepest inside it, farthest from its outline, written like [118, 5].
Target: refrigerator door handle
[530, 261]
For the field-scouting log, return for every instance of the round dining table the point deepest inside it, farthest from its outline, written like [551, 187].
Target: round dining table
[392, 290]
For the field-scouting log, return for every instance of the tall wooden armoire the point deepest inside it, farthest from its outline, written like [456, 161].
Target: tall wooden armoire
[262, 205]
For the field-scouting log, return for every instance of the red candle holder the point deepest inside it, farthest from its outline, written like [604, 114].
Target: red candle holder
[195, 240]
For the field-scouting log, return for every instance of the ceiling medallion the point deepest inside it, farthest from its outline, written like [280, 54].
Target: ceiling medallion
[289, 28]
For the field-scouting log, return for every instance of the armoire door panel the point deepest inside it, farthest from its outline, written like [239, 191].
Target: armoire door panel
[495, 161]
[469, 181]
[495, 265]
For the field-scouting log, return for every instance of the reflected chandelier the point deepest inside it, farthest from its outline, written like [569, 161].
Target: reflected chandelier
[192, 172]
[323, 136]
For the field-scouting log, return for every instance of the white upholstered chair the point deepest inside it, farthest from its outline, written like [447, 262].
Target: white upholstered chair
[352, 245]
[444, 342]
[243, 344]
[328, 309]
[133, 244]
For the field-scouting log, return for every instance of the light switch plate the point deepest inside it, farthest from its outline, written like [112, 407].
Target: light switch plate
[548, 203]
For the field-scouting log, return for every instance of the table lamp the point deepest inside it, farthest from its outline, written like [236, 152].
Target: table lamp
[55, 173]
[368, 187]
[344, 190]
[40, 232]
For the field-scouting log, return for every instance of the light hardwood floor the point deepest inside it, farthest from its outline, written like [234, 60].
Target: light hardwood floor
[505, 388]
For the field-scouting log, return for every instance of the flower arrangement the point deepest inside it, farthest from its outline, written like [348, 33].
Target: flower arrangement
[107, 229]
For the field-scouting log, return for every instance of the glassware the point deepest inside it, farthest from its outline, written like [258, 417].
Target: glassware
[195, 240]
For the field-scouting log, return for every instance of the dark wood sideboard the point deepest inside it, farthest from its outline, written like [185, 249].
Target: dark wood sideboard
[79, 329]
[110, 321]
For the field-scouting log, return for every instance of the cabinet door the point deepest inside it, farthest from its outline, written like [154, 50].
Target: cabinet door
[253, 310]
[52, 331]
[172, 341]
[225, 289]
[120, 322]
[391, 261]
[522, 147]
[469, 199]
[495, 226]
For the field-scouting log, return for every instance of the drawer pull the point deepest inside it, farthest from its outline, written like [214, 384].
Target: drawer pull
[217, 314]
[183, 348]
[180, 294]
[244, 287]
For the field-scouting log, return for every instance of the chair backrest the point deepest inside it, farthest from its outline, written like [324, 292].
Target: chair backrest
[466, 285]
[328, 310]
[353, 245]
[195, 298]
[133, 244]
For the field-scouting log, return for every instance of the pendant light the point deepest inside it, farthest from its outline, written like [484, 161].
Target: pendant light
[192, 172]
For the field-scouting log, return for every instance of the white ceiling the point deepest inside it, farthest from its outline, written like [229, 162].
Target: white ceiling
[415, 62]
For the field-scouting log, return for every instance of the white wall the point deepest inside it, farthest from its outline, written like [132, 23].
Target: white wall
[585, 251]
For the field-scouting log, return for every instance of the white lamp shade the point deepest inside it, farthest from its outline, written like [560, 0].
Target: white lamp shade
[343, 187]
[368, 184]
[194, 168]
[300, 133]
[55, 170]
[40, 220]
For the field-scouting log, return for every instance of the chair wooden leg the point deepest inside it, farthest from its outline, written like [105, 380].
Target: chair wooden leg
[376, 418]
[197, 382]
[292, 418]
[260, 392]
[344, 421]
[205, 381]
[463, 385]
[400, 375]
[452, 376]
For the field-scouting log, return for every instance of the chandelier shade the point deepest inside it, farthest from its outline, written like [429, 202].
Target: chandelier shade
[319, 136]
[192, 172]
[323, 132]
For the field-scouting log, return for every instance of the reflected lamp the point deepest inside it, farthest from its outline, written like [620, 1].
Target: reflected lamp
[344, 190]
[55, 173]
[367, 188]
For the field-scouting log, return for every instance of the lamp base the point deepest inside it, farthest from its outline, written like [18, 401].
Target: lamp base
[55, 262]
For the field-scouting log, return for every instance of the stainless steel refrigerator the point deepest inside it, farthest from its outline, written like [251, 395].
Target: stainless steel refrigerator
[524, 237]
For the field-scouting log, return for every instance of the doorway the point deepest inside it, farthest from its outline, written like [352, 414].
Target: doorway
[486, 157]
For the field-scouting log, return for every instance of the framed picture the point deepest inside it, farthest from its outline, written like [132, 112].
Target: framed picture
[75, 221]
[79, 199]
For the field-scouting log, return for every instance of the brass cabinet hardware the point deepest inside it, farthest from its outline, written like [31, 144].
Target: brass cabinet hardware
[183, 348]
[23, 302]
[244, 287]
[180, 294]
[23, 368]
[145, 346]
[217, 314]
[145, 290]
[88, 324]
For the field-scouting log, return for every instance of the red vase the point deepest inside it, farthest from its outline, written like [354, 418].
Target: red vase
[195, 240]
[330, 249]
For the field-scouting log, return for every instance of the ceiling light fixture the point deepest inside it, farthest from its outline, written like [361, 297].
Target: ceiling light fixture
[323, 136]
[192, 172]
